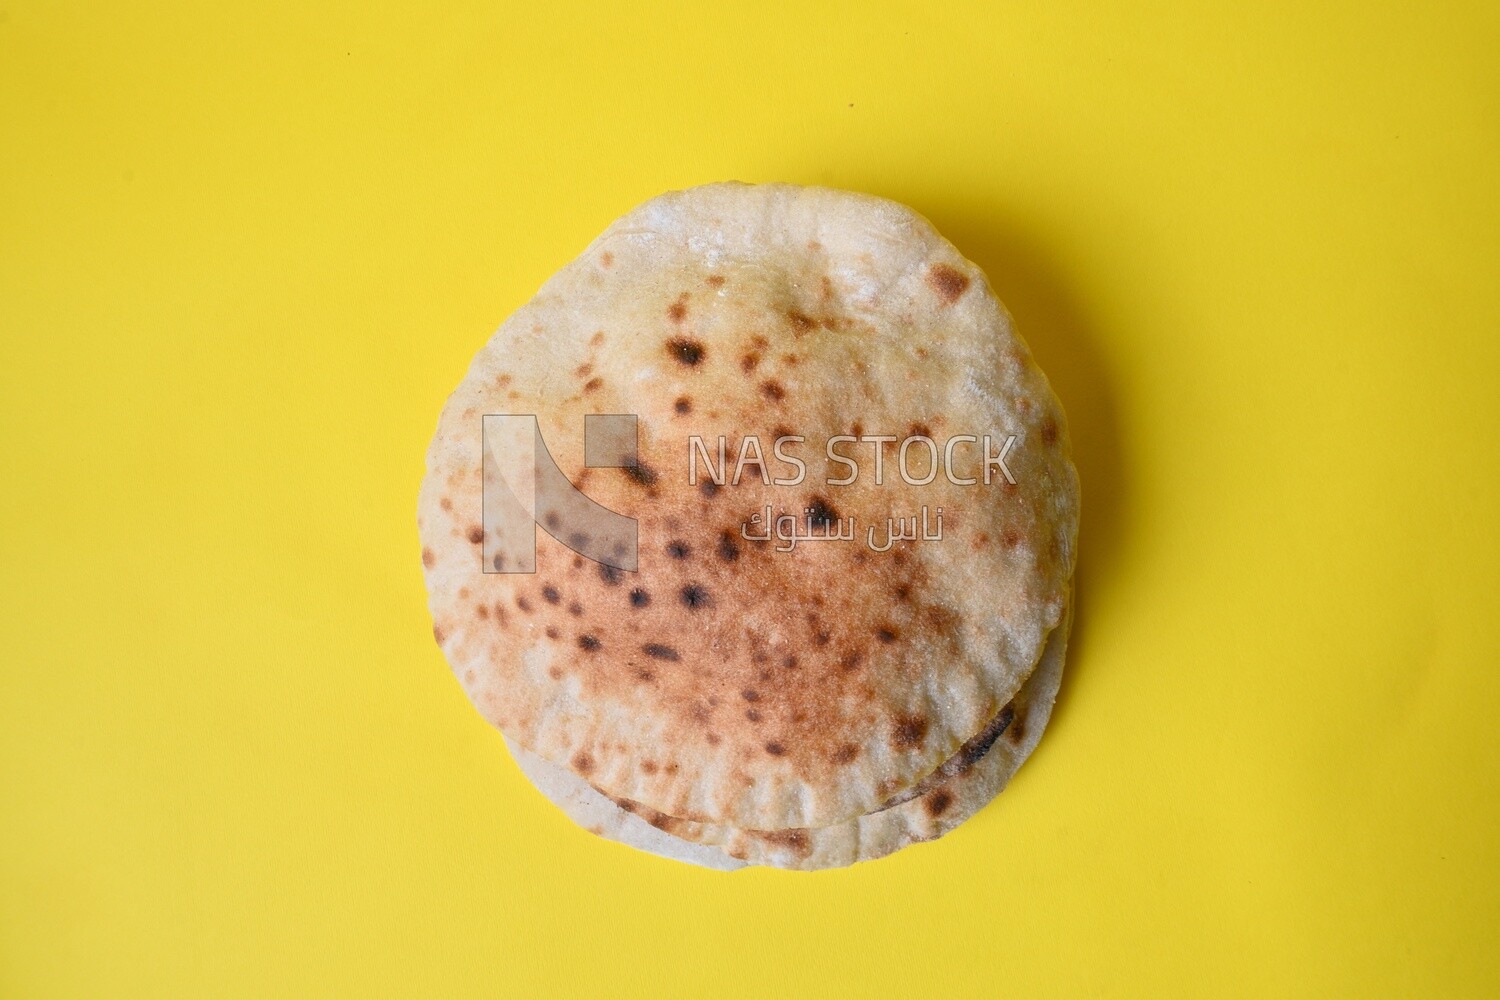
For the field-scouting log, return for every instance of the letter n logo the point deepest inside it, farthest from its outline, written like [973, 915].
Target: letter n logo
[524, 489]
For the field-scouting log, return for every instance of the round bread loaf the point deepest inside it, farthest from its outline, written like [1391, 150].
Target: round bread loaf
[728, 677]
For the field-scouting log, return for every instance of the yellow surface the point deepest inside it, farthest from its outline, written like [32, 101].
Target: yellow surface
[246, 251]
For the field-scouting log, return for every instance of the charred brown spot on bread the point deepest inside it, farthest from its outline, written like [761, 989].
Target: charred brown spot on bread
[709, 489]
[610, 574]
[938, 802]
[973, 751]
[821, 513]
[749, 694]
[775, 749]
[523, 603]
[1011, 538]
[1049, 431]
[550, 594]
[575, 609]
[845, 754]
[661, 821]
[437, 633]
[1016, 731]
[555, 672]
[715, 281]
[639, 597]
[919, 430]
[607, 259]
[748, 362]
[728, 550]
[940, 619]
[753, 714]
[688, 352]
[482, 611]
[583, 763]
[588, 642]
[948, 282]
[678, 549]
[683, 405]
[551, 632]
[677, 311]
[428, 559]
[695, 596]
[796, 841]
[887, 633]
[772, 389]
[712, 739]
[909, 732]
[446, 503]
[851, 660]
[584, 370]
[657, 651]
[593, 384]
[476, 534]
[801, 322]
[641, 474]
[648, 766]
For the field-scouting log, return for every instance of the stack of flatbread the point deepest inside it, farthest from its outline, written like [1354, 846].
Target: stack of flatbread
[783, 671]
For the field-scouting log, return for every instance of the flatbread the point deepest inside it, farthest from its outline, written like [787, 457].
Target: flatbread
[723, 681]
[968, 783]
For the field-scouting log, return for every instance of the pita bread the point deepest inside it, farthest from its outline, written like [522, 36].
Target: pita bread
[968, 781]
[725, 682]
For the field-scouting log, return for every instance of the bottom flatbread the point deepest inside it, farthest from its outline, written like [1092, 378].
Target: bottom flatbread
[960, 789]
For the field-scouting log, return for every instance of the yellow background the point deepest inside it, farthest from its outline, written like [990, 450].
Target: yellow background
[246, 251]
